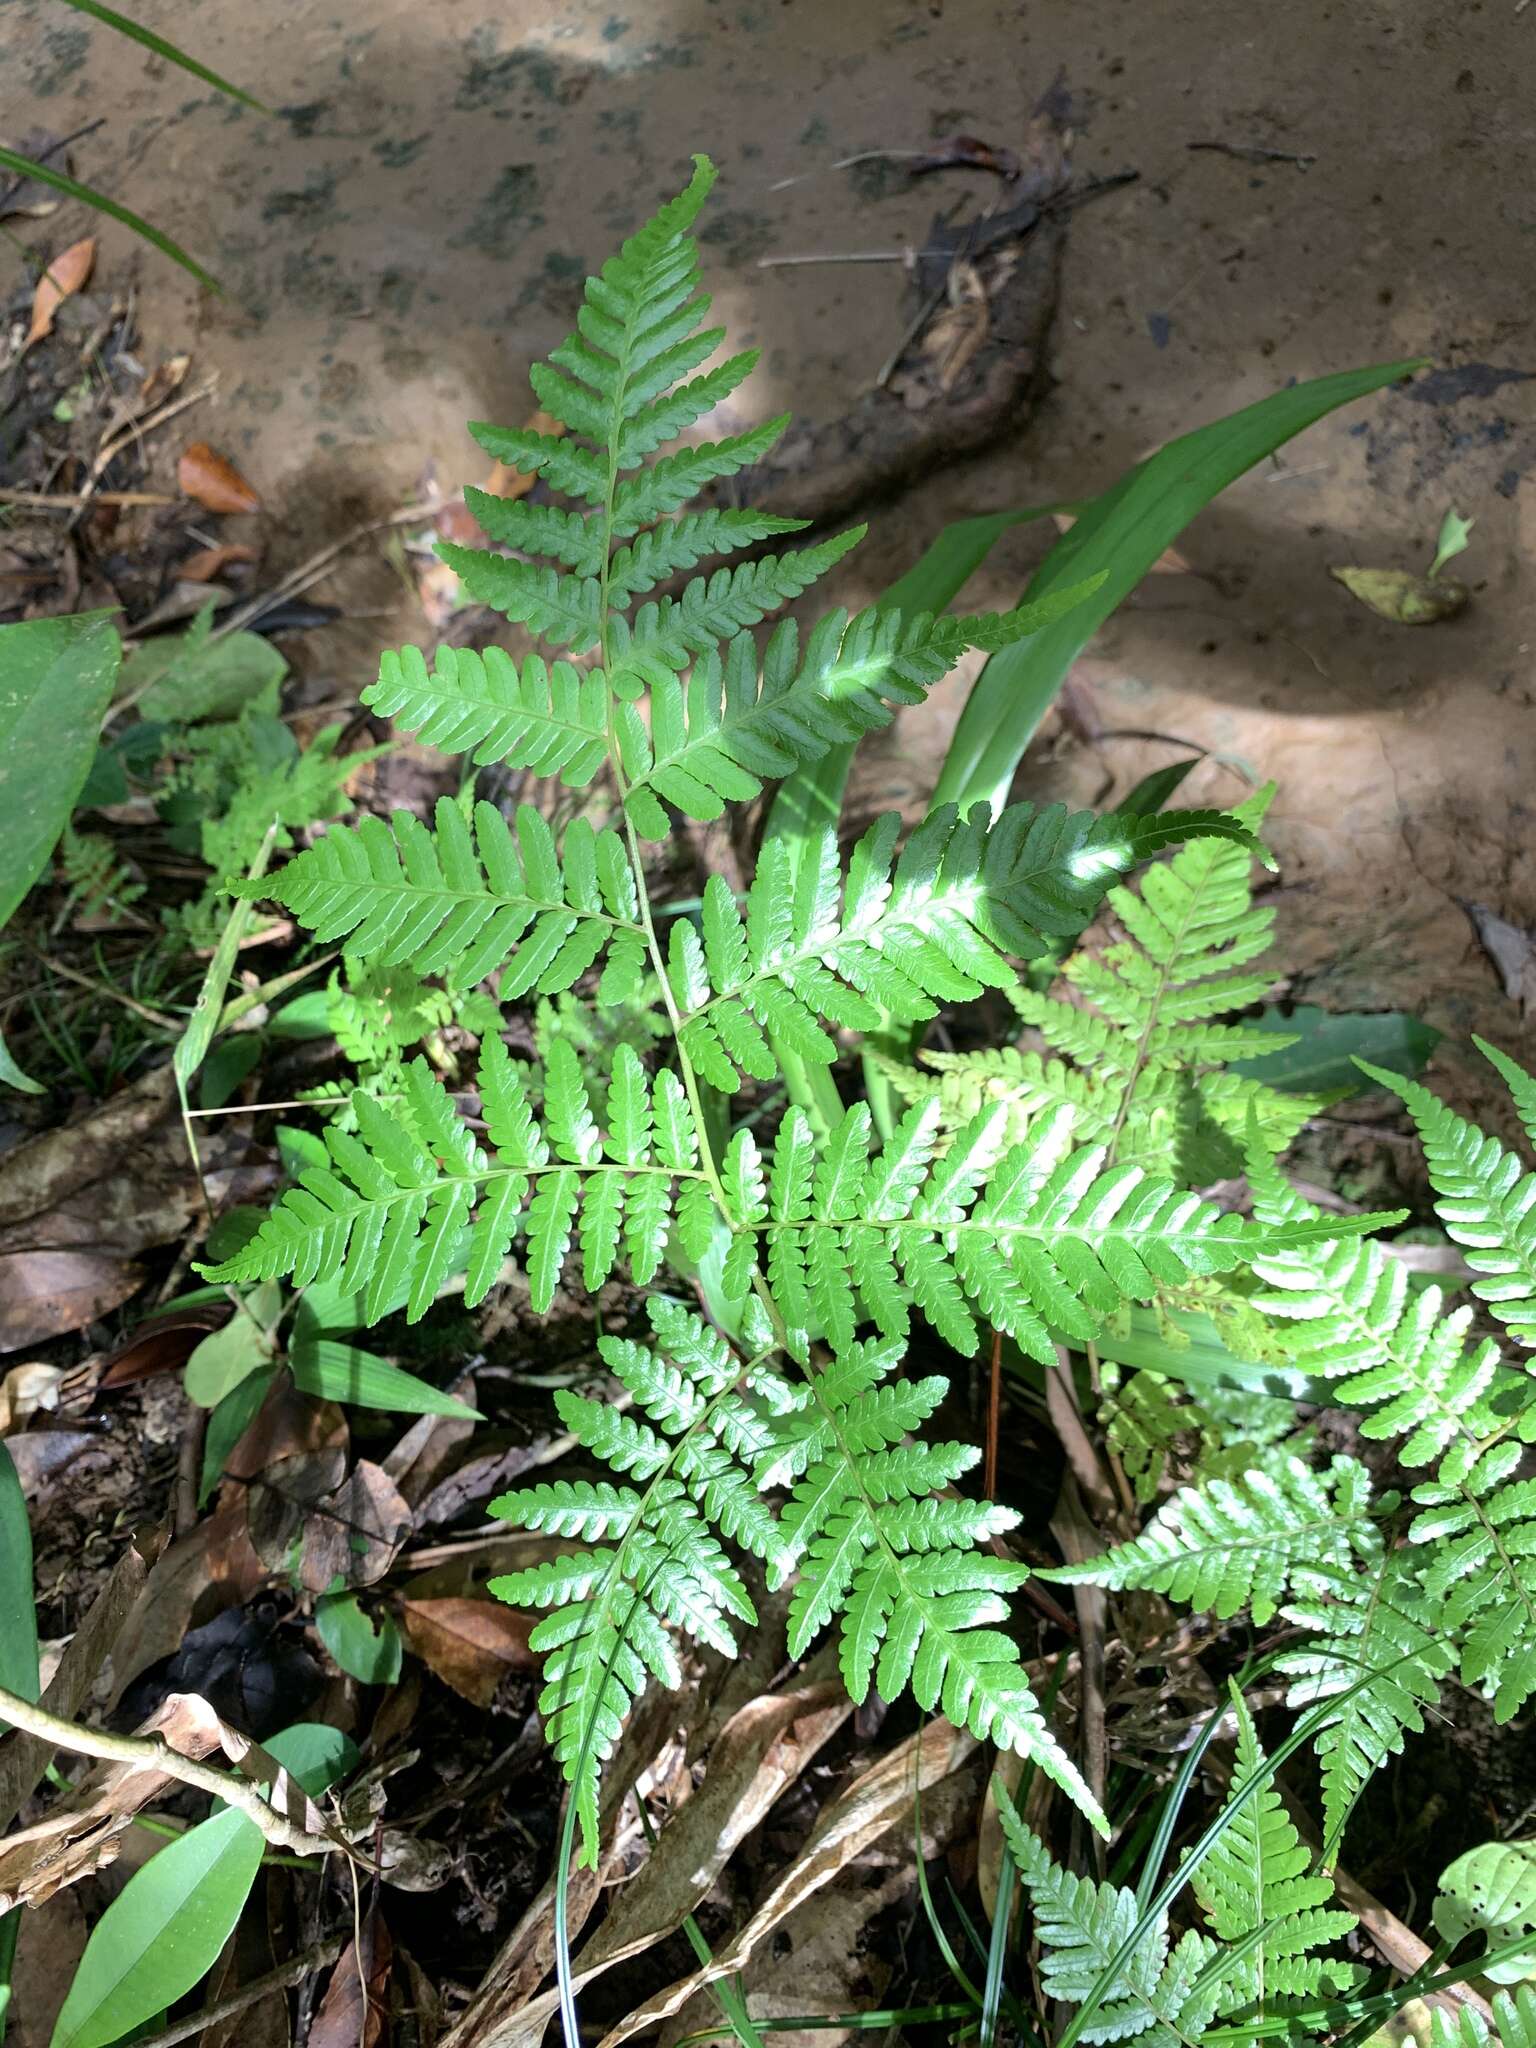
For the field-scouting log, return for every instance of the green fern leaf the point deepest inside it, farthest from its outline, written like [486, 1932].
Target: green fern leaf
[1484, 1195]
[1230, 1545]
[1255, 1882]
[549, 720]
[1514, 2024]
[462, 903]
[1380, 1623]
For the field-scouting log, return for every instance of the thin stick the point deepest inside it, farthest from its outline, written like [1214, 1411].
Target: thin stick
[863, 156]
[311, 571]
[73, 501]
[291, 1972]
[156, 1755]
[116, 995]
[297, 1102]
[849, 256]
[137, 429]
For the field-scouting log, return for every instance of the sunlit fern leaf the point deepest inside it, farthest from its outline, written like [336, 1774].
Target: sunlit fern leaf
[550, 719]
[874, 1548]
[1156, 1997]
[1484, 1195]
[898, 934]
[1514, 2024]
[1379, 1624]
[464, 901]
[658, 1564]
[1228, 1545]
[732, 727]
[1256, 1882]
[415, 1194]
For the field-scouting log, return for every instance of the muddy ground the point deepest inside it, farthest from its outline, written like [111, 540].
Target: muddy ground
[410, 229]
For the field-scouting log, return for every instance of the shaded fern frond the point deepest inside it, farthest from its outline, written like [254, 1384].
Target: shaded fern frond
[1484, 1195]
[1242, 1543]
[1380, 1623]
[1263, 1902]
[462, 901]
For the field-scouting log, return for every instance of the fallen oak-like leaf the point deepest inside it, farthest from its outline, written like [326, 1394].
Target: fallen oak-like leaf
[471, 1645]
[1403, 598]
[65, 275]
[212, 479]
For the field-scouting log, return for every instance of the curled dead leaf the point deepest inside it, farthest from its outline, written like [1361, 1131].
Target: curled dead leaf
[212, 479]
[28, 1390]
[471, 1645]
[354, 2011]
[65, 275]
[163, 1344]
[1402, 597]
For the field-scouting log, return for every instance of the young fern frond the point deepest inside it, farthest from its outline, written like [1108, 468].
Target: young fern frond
[1148, 1053]
[1244, 1543]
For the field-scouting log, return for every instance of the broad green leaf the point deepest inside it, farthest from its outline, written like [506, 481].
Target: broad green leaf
[1123, 533]
[166, 1927]
[228, 1423]
[334, 1371]
[87, 195]
[185, 677]
[12, 1075]
[1491, 1891]
[225, 1358]
[1322, 1061]
[1147, 1338]
[56, 680]
[367, 1653]
[18, 1616]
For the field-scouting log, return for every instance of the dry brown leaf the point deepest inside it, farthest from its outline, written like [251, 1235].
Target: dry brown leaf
[163, 382]
[48, 1948]
[163, 1344]
[64, 276]
[47, 1294]
[210, 562]
[1403, 598]
[471, 1645]
[361, 1971]
[212, 479]
[878, 1799]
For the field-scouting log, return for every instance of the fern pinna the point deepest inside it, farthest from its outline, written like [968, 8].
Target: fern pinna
[800, 1447]
[1390, 1604]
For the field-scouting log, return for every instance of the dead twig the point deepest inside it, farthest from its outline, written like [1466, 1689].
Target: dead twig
[1259, 153]
[240, 1793]
[75, 501]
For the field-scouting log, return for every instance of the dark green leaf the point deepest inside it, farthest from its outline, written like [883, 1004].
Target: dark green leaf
[228, 1423]
[367, 1653]
[1328, 1043]
[334, 1371]
[18, 1616]
[56, 679]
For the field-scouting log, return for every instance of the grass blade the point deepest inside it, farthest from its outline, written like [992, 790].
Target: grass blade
[150, 41]
[87, 195]
[1122, 533]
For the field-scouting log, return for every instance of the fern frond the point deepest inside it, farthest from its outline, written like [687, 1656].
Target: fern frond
[1381, 1624]
[1485, 1196]
[549, 720]
[658, 1564]
[414, 1196]
[1157, 1998]
[875, 1549]
[1514, 2024]
[462, 903]
[1244, 1543]
[1255, 1882]
[897, 934]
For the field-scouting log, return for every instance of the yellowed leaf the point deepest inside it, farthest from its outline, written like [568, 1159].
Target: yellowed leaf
[1402, 597]
[65, 275]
